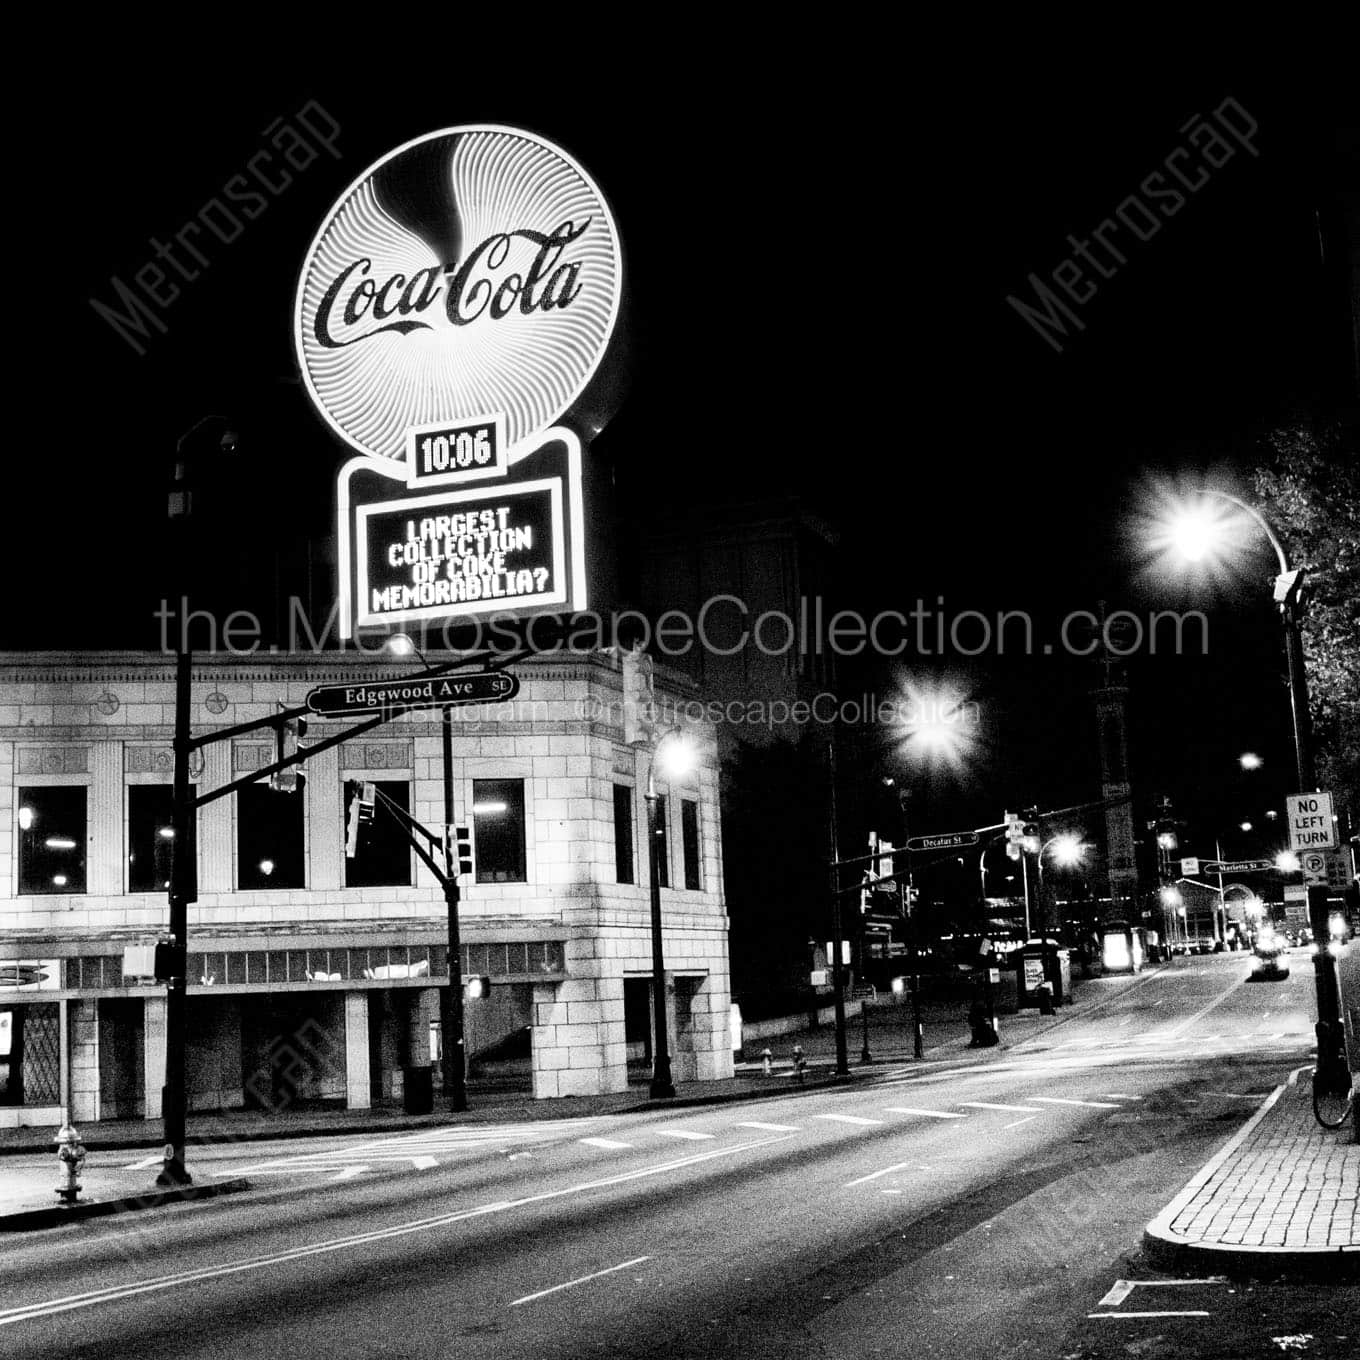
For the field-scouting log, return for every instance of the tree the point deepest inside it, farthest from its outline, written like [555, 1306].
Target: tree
[1308, 486]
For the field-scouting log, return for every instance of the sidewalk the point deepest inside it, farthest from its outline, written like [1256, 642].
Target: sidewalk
[1280, 1197]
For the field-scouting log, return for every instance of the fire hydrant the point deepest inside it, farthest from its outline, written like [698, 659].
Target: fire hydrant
[766, 1061]
[70, 1158]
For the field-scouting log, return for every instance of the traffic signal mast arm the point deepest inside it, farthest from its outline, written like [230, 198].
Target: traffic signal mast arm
[412, 827]
[296, 758]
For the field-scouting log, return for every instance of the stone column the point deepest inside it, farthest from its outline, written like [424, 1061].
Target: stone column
[153, 1050]
[357, 1093]
[424, 1011]
[325, 821]
[84, 1037]
[578, 1036]
[104, 875]
[710, 1025]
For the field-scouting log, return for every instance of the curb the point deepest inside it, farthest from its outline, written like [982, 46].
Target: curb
[1173, 1251]
[57, 1214]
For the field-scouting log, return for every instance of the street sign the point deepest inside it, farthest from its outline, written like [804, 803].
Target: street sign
[1311, 824]
[952, 840]
[1190, 866]
[1236, 866]
[1314, 865]
[433, 691]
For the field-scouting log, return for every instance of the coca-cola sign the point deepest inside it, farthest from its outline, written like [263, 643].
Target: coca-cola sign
[473, 270]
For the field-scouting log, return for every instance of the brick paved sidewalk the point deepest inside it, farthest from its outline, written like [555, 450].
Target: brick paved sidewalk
[1280, 1196]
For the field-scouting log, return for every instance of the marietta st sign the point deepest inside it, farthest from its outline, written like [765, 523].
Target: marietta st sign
[435, 691]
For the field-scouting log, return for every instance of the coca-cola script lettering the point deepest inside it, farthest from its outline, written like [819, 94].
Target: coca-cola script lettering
[478, 286]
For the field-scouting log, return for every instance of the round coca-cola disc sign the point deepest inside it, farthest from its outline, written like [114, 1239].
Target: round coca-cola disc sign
[471, 272]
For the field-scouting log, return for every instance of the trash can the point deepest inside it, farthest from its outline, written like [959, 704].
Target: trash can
[418, 1090]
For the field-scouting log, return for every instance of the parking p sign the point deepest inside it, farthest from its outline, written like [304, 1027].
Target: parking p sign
[1311, 824]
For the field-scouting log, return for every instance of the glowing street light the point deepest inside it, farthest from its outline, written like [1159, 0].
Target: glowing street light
[1068, 849]
[1244, 826]
[1211, 526]
[1287, 862]
[1249, 760]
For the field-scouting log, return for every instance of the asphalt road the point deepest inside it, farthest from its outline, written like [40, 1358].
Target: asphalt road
[979, 1207]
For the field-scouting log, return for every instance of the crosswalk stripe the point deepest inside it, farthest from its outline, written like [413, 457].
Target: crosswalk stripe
[609, 1143]
[848, 1119]
[1089, 1104]
[771, 1128]
[1013, 1109]
[684, 1133]
[929, 1114]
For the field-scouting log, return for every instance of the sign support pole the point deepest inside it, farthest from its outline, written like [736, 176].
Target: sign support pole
[1331, 1061]
[451, 1011]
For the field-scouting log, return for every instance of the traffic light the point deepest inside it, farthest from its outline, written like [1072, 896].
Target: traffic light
[361, 799]
[1030, 833]
[476, 988]
[463, 848]
[288, 740]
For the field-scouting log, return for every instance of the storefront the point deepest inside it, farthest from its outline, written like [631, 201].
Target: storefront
[313, 974]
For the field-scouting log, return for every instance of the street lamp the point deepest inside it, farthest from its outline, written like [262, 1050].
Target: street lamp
[676, 753]
[451, 998]
[1202, 529]
[1249, 760]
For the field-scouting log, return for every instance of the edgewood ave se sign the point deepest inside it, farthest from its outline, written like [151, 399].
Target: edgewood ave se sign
[435, 691]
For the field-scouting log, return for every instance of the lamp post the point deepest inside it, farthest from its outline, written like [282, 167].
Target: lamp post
[678, 760]
[451, 1025]
[1193, 533]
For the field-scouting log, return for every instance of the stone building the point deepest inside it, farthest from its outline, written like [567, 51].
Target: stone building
[313, 975]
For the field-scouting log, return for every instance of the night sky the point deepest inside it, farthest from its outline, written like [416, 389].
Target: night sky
[817, 307]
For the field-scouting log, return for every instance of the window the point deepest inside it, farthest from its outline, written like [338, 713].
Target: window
[498, 830]
[663, 849]
[151, 836]
[383, 859]
[52, 840]
[270, 839]
[689, 835]
[623, 834]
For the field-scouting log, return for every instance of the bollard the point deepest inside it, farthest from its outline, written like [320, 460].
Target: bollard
[799, 1062]
[1045, 990]
[70, 1158]
[766, 1061]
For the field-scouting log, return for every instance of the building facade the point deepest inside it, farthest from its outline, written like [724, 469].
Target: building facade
[313, 974]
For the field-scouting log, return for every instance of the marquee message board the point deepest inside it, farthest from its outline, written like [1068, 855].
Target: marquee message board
[453, 307]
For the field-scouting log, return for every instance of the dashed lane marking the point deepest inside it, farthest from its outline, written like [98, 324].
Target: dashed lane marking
[1010, 1109]
[571, 1284]
[1016, 1123]
[685, 1133]
[611, 1144]
[929, 1114]
[874, 1175]
[1088, 1104]
[1120, 1095]
[848, 1119]
[769, 1128]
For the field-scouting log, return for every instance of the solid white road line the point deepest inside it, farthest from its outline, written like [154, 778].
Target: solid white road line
[848, 1119]
[685, 1133]
[146, 1162]
[1013, 1109]
[571, 1284]
[424, 1163]
[769, 1128]
[69, 1302]
[929, 1114]
[610, 1143]
[1058, 1100]
[874, 1175]
[1187, 1312]
[1018, 1122]
[1120, 1095]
